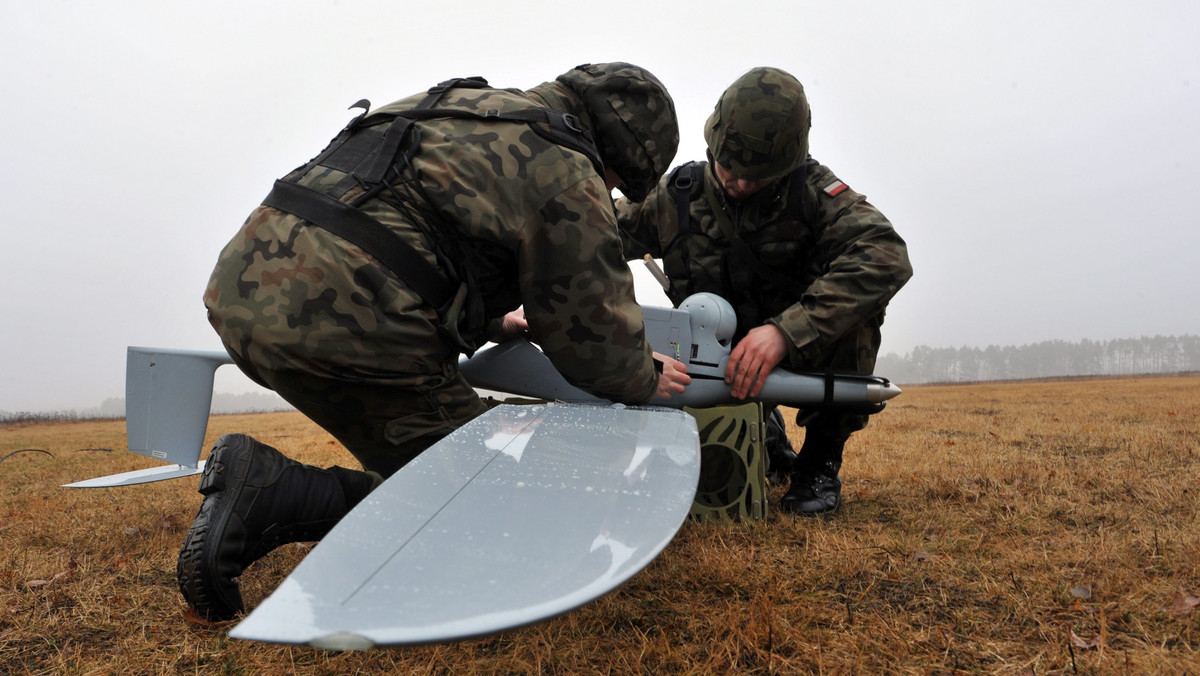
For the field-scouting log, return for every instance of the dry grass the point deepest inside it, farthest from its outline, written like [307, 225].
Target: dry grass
[1016, 528]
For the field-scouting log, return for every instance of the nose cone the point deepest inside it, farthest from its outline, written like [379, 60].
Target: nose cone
[877, 393]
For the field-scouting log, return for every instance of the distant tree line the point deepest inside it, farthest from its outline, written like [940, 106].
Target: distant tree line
[53, 416]
[1052, 358]
[113, 408]
[1047, 359]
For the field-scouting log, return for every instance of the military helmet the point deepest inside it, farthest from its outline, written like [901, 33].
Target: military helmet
[635, 127]
[759, 128]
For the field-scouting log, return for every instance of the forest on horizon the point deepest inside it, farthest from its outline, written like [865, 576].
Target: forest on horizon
[1155, 355]
[1048, 359]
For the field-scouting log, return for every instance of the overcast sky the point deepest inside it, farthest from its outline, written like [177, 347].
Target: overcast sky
[1038, 157]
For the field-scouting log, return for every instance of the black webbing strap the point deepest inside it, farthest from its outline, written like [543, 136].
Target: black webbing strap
[366, 156]
[435, 92]
[385, 155]
[683, 179]
[358, 228]
[565, 129]
[680, 183]
[829, 379]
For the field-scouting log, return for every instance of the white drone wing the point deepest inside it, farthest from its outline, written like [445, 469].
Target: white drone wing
[525, 513]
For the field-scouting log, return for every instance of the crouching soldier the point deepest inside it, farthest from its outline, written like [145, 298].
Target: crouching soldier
[807, 263]
[427, 227]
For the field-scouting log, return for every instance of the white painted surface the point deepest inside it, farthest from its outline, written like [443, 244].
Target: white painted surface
[526, 513]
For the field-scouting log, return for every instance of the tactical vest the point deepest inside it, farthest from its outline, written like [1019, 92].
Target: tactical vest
[374, 151]
[684, 184]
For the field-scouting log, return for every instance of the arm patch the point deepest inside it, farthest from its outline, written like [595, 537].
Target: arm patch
[836, 188]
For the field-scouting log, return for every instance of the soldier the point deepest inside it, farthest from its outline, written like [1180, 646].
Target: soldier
[807, 263]
[413, 237]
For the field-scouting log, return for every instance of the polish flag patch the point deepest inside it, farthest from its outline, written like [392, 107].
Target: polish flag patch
[836, 188]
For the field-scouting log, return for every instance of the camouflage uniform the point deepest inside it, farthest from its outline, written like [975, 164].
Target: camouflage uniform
[806, 253]
[319, 321]
[823, 278]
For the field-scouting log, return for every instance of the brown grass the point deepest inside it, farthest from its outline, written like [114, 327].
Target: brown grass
[1016, 528]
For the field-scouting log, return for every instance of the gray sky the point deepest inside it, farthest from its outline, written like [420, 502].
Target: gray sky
[1035, 155]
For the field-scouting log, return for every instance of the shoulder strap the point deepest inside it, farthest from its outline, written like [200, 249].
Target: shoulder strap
[563, 129]
[359, 228]
[366, 154]
[682, 181]
[435, 92]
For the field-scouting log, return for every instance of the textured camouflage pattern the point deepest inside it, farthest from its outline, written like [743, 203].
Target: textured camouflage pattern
[823, 271]
[758, 130]
[385, 425]
[821, 268]
[349, 344]
[630, 114]
[733, 464]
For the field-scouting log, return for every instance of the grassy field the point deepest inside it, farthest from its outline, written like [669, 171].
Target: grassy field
[1047, 527]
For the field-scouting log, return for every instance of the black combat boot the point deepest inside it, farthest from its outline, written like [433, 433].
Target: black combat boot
[256, 499]
[816, 488]
[780, 454]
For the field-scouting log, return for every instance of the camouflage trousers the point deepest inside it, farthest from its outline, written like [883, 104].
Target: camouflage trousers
[384, 425]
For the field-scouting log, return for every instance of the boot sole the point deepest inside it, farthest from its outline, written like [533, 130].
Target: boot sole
[793, 505]
[791, 508]
[197, 569]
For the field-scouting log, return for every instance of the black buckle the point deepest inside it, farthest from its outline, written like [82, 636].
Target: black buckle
[473, 82]
[683, 181]
[572, 123]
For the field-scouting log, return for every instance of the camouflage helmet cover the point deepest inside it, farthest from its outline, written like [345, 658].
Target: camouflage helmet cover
[758, 130]
[634, 122]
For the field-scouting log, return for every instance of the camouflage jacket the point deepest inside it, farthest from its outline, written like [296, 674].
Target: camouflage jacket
[807, 253]
[532, 221]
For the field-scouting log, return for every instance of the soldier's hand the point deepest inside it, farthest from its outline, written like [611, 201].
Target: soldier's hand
[514, 325]
[674, 377]
[753, 359]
